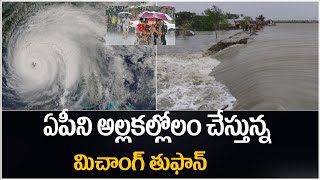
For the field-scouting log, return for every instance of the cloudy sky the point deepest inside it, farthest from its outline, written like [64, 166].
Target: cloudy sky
[271, 10]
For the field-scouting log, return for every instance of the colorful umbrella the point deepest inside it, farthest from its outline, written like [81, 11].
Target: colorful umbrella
[158, 15]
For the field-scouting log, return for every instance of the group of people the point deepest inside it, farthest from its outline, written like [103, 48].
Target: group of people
[252, 26]
[151, 34]
[115, 24]
[112, 23]
[147, 33]
[119, 25]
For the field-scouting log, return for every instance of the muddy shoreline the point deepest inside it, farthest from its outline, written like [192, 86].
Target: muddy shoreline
[238, 38]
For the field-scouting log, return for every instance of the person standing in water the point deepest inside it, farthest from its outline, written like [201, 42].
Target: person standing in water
[139, 31]
[125, 25]
[119, 25]
[164, 29]
[107, 21]
[147, 34]
[114, 22]
[156, 31]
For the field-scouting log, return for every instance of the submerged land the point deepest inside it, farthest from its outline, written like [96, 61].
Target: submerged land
[233, 61]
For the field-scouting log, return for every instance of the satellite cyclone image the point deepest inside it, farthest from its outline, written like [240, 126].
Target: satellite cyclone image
[55, 56]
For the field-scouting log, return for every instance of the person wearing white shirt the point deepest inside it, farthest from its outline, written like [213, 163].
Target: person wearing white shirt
[125, 25]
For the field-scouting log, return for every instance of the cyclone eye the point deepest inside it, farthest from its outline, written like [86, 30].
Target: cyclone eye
[34, 64]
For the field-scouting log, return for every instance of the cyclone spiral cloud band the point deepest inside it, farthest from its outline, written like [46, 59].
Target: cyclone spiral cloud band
[55, 56]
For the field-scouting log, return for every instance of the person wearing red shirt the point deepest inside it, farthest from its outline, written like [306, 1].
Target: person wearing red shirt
[142, 32]
[141, 26]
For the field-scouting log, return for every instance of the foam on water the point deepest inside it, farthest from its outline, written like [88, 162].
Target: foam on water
[185, 83]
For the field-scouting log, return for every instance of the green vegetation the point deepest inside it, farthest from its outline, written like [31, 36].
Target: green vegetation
[217, 17]
[211, 19]
[232, 16]
[260, 18]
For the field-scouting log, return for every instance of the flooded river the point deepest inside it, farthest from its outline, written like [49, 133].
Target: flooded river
[276, 70]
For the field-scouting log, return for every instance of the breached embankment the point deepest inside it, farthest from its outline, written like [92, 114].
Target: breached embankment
[238, 38]
[187, 83]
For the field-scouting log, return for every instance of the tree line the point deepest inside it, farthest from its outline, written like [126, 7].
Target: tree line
[211, 19]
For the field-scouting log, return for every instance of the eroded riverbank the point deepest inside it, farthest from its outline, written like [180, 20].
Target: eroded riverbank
[276, 70]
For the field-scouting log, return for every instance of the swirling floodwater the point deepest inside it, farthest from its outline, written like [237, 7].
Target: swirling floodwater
[276, 70]
[57, 57]
[184, 83]
[184, 79]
